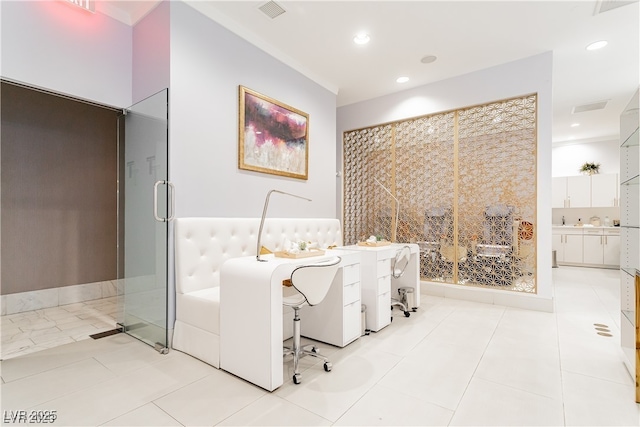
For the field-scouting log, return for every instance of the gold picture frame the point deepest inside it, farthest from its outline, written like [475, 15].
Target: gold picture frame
[273, 137]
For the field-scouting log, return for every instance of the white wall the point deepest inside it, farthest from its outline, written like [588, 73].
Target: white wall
[529, 75]
[208, 63]
[151, 53]
[59, 47]
[567, 159]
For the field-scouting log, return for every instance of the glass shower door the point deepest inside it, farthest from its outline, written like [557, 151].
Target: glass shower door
[145, 210]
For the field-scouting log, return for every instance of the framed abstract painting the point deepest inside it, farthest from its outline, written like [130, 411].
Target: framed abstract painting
[273, 137]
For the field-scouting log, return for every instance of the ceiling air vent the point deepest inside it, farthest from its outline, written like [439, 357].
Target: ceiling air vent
[589, 107]
[607, 5]
[272, 9]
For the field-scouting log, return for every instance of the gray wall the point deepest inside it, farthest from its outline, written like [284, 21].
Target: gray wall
[208, 63]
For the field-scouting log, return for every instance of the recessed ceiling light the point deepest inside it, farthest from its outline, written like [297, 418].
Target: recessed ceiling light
[402, 79]
[428, 59]
[575, 125]
[361, 38]
[597, 45]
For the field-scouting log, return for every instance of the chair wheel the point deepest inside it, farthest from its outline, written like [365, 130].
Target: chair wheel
[327, 366]
[407, 314]
[392, 318]
[314, 349]
[296, 378]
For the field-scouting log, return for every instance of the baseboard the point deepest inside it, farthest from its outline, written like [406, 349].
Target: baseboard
[488, 296]
[55, 297]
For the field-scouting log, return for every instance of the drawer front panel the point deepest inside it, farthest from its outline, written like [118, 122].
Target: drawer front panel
[384, 267]
[352, 326]
[384, 309]
[351, 293]
[351, 273]
[596, 232]
[384, 284]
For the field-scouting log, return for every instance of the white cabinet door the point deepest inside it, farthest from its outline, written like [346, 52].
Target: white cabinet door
[558, 192]
[573, 248]
[611, 254]
[557, 244]
[579, 191]
[592, 249]
[604, 190]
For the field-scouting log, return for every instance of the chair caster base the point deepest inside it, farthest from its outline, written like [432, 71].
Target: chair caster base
[407, 314]
[296, 379]
[328, 366]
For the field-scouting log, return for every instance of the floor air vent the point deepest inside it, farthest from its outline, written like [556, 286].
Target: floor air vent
[602, 329]
[105, 334]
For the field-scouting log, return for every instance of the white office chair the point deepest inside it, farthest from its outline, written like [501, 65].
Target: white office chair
[398, 266]
[309, 286]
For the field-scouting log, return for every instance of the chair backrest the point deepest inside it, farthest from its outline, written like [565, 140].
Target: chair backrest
[314, 280]
[400, 262]
[438, 222]
[497, 228]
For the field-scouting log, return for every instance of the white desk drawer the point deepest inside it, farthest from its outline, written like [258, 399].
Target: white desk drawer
[351, 293]
[384, 310]
[352, 322]
[383, 267]
[351, 273]
[384, 284]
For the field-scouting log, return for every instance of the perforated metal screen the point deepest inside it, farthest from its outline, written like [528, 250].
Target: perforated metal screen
[465, 182]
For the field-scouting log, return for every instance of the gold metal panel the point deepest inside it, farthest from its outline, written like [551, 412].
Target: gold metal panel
[466, 184]
[497, 188]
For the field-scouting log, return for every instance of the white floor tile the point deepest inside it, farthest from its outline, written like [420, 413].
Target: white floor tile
[271, 410]
[436, 372]
[209, 400]
[383, 406]
[47, 386]
[146, 415]
[526, 365]
[331, 394]
[595, 402]
[489, 404]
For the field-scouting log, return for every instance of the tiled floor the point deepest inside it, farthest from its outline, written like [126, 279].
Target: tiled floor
[31, 331]
[451, 363]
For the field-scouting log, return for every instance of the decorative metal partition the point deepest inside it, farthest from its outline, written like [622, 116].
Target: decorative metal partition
[465, 183]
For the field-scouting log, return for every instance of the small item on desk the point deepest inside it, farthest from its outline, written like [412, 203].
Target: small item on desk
[287, 283]
[374, 241]
[562, 219]
[579, 224]
[607, 222]
[299, 249]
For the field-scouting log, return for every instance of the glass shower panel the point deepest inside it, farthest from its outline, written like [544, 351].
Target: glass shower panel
[144, 236]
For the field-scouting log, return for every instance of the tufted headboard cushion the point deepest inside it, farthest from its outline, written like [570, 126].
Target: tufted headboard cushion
[203, 244]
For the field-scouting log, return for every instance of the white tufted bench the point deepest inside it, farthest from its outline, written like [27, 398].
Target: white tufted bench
[202, 245]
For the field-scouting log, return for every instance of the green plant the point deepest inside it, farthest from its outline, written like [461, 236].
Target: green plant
[590, 168]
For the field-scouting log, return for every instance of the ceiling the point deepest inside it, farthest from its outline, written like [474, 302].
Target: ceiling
[316, 38]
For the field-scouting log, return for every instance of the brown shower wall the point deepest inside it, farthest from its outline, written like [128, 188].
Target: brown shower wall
[58, 191]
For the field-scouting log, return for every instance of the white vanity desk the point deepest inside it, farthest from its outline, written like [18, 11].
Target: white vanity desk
[377, 283]
[251, 319]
